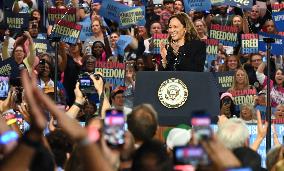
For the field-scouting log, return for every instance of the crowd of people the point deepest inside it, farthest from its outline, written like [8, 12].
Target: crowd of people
[50, 120]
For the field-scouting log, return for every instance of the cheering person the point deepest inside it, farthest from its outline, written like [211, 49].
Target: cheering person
[185, 51]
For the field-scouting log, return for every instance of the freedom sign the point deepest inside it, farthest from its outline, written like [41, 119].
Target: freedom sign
[197, 5]
[68, 32]
[249, 43]
[54, 14]
[122, 14]
[278, 18]
[227, 35]
[113, 72]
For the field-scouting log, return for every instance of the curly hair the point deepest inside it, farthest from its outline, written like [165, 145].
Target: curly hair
[191, 33]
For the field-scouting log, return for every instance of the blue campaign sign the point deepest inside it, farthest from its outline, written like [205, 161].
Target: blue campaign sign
[253, 134]
[278, 18]
[122, 42]
[197, 5]
[122, 14]
[86, 28]
[16, 21]
[217, 2]
[245, 4]
[276, 48]
[42, 46]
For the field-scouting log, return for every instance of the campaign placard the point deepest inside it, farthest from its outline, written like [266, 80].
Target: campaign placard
[278, 18]
[113, 72]
[122, 43]
[157, 39]
[277, 7]
[68, 31]
[122, 14]
[224, 80]
[227, 35]
[276, 48]
[211, 50]
[54, 14]
[197, 5]
[86, 29]
[42, 46]
[243, 96]
[16, 21]
[249, 43]
[244, 4]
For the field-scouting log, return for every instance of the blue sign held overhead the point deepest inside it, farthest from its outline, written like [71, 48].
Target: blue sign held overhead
[197, 5]
[276, 48]
[278, 18]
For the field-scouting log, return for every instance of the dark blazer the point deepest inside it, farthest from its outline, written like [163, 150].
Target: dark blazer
[191, 57]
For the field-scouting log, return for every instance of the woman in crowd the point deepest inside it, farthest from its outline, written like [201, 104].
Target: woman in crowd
[19, 53]
[241, 81]
[269, 27]
[231, 63]
[227, 106]
[277, 88]
[185, 51]
[99, 34]
[99, 51]
[130, 85]
[247, 113]
[201, 28]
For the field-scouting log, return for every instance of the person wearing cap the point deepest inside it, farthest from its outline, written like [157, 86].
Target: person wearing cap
[96, 6]
[118, 99]
[227, 106]
[166, 13]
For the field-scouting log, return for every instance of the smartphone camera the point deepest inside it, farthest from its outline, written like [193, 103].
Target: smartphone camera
[201, 126]
[189, 156]
[86, 84]
[114, 127]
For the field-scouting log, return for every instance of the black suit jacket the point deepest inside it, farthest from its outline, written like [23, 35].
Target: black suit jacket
[191, 57]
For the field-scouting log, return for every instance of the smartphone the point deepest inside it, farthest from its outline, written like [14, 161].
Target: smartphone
[114, 127]
[200, 122]
[189, 157]
[4, 87]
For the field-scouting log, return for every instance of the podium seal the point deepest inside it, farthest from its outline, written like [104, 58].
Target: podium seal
[173, 93]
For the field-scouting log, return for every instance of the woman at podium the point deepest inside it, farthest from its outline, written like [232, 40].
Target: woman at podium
[185, 51]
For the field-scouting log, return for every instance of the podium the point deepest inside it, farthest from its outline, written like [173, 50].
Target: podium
[155, 87]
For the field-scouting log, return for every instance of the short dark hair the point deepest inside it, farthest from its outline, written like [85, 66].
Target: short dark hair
[142, 122]
[60, 144]
[150, 151]
[248, 158]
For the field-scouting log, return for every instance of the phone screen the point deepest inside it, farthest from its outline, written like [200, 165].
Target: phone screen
[201, 126]
[239, 169]
[4, 87]
[114, 127]
[190, 156]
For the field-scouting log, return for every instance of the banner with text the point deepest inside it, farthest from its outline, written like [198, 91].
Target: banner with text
[249, 43]
[68, 31]
[86, 29]
[278, 18]
[54, 14]
[113, 72]
[197, 5]
[211, 50]
[277, 7]
[157, 39]
[16, 21]
[217, 2]
[227, 35]
[276, 48]
[243, 96]
[244, 4]
[224, 80]
[42, 46]
[122, 14]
